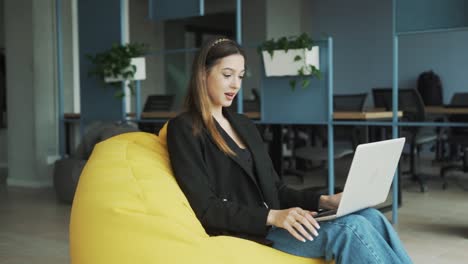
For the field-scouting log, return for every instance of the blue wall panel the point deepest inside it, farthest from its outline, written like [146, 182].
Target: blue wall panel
[423, 15]
[444, 52]
[99, 28]
[280, 104]
[362, 41]
[362, 36]
[172, 9]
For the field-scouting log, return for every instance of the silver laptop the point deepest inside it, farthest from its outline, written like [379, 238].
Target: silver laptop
[369, 178]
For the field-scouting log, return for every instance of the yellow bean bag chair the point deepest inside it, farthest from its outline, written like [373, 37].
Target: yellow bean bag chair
[128, 208]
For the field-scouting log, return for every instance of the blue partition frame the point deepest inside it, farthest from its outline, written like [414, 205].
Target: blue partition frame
[240, 102]
[117, 36]
[61, 124]
[395, 114]
[396, 124]
[327, 83]
[437, 16]
[327, 119]
[276, 89]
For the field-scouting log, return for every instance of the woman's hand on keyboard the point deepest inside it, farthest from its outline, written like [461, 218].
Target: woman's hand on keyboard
[295, 220]
[330, 202]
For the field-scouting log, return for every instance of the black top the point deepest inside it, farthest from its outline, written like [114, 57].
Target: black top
[244, 154]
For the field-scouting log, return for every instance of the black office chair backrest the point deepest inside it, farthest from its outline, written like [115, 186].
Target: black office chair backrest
[349, 102]
[409, 101]
[412, 105]
[430, 88]
[459, 100]
[346, 102]
[381, 97]
[155, 103]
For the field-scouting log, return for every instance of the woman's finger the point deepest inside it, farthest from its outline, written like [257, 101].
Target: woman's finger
[306, 221]
[301, 230]
[313, 221]
[293, 232]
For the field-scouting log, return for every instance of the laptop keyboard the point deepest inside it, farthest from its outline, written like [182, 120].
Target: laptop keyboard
[326, 213]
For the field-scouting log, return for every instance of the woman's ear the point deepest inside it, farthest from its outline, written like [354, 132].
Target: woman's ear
[204, 75]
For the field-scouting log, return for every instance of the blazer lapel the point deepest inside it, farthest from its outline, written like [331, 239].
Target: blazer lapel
[263, 181]
[247, 139]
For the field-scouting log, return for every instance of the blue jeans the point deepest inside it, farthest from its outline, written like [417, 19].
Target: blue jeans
[362, 237]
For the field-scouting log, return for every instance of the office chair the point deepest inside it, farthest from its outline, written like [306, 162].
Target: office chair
[430, 88]
[345, 142]
[410, 102]
[457, 138]
[381, 96]
[156, 103]
[351, 103]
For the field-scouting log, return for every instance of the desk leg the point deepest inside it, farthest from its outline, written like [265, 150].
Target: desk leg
[366, 134]
[67, 138]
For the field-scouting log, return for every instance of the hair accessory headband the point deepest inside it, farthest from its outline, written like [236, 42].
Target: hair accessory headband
[219, 41]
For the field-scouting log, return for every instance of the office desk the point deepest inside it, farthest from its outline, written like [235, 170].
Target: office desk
[443, 110]
[378, 113]
[370, 115]
[155, 115]
[171, 114]
[159, 115]
[71, 116]
[446, 110]
[365, 115]
[146, 117]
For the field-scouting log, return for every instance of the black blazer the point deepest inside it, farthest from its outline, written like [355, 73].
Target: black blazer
[227, 199]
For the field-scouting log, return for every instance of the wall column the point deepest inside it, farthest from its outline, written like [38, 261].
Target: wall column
[31, 91]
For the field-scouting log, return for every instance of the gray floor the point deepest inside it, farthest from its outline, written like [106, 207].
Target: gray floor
[33, 227]
[433, 225]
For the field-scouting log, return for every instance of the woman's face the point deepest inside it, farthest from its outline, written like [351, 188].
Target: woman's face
[224, 80]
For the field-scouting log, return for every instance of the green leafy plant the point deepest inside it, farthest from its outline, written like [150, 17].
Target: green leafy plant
[289, 43]
[115, 62]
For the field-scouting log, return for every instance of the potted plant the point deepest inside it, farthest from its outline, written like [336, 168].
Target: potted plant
[291, 56]
[120, 63]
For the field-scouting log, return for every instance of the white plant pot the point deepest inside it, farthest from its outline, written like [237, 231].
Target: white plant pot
[140, 74]
[283, 64]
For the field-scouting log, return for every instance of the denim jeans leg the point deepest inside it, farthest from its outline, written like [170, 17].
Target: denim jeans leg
[349, 239]
[386, 230]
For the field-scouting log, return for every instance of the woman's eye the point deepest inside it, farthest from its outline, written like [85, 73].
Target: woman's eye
[241, 77]
[227, 75]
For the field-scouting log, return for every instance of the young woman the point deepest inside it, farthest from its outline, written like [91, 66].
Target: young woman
[220, 163]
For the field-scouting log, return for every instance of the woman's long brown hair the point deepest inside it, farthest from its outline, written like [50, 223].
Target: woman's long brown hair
[197, 99]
